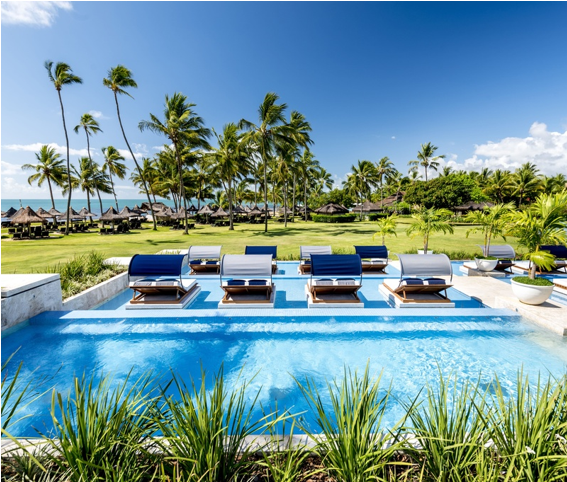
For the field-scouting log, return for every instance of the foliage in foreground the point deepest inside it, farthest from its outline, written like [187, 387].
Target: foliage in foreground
[83, 272]
[454, 431]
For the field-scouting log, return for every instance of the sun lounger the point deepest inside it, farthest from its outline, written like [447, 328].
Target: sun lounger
[305, 253]
[505, 254]
[246, 280]
[374, 258]
[560, 285]
[335, 280]
[271, 250]
[420, 282]
[161, 285]
[560, 253]
[204, 259]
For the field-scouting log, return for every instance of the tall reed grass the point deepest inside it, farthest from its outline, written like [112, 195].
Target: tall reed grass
[204, 431]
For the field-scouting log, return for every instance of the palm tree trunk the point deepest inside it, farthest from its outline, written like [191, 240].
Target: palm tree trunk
[305, 197]
[181, 187]
[293, 202]
[51, 192]
[285, 204]
[135, 161]
[68, 165]
[265, 194]
[89, 205]
[230, 222]
[100, 201]
[112, 184]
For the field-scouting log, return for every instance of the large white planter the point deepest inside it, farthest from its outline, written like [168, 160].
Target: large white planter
[531, 295]
[486, 264]
[421, 251]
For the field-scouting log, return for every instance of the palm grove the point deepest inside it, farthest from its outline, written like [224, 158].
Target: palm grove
[262, 160]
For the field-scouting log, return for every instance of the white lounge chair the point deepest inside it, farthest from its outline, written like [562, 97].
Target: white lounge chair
[505, 254]
[204, 259]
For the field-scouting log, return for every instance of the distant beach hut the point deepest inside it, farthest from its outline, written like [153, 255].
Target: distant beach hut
[157, 206]
[3, 214]
[472, 206]
[206, 209]
[331, 208]
[129, 213]
[86, 213]
[219, 213]
[54, 212]
[138, 210]
[27, 216]
[192, 209]
[73, 216]
[10, 212]
[167, 212]
[111, 216]
[256, 211]
[238, 210]
[19, 211]
[180, 214]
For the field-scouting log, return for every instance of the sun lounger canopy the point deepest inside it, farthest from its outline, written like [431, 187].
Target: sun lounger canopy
[336, 265]
[204, 252]
[271, 250]
[246, 265]
[499, 251]
[305, 252]
[557, 251]
[371, 251]
[156, 265]
[428, 265]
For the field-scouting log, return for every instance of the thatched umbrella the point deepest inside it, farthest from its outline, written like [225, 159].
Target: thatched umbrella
[27, 216]
[111, 215]
[129, 213]
[331, 208]
[220, 213]
[3, 214]
[157, 206]
[43, 213]
[206, 209]
[19, 211]
[10, 212]
[301, 209]
[181, 214]
[164, 213]
[87, 214]
[192, 209]
[255, 211]
[73, 215]
[238, 209]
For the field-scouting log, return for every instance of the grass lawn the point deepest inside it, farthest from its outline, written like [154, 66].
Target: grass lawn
[34, 255]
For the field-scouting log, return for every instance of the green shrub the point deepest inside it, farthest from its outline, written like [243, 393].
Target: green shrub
[533, 282]
[333, 218]
[377, 216]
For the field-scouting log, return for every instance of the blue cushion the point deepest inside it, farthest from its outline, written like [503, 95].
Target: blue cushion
[236, 282]
[257, 282]
[211, 262]
[195, 261]
[505, 261]
[413, 281]
[435, 281]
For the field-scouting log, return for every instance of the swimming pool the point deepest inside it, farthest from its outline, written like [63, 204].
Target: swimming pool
[286, 342]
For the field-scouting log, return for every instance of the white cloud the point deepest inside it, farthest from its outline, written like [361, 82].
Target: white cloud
[97, 114]
[12, 189]
[9, 169]
[126, 154]
[32, 13]
[35, 147]
[393, 138]
[547, 150]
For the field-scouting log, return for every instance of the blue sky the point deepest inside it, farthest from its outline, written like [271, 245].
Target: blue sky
[485, 82]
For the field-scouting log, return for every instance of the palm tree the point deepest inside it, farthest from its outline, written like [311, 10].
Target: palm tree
[307, 166]
[184, 128]
[499, 186]
[414, 176]
[384, 169]
[272, 129]
[112, 164]
[230, 161]
[490, 222]
[286, 154]
[90, 125]
[429, 221]
[85, 178]
[119, 78]
[360, 181]
[426, 159]
[386, 227]
[446, 171]
[49, 168]
[62, 75]
[525, 182]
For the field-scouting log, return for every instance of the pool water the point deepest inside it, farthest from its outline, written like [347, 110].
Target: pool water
[408, 349]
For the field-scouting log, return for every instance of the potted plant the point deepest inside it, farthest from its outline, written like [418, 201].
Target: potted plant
[427, 222]
[490, 222]
[545, 222]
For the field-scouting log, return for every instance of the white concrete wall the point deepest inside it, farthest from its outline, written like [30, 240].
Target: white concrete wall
[96, 295]
[25, 296]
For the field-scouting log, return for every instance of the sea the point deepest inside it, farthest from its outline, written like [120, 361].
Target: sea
[78, 203]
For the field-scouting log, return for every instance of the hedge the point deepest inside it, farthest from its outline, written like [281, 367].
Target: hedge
[333, 218]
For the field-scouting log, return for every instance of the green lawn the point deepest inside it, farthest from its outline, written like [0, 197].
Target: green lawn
[33, 255]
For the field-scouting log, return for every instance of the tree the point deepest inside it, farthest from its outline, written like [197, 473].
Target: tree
[85, 178]
[499, 186]
[307, 165]
[490, 222]
[442, 192]
[525, 182]
[272, 129]
[49, 168]
[544, 222]
[428, 222]
[426, 159]
[112, 164]
[119, 78]
[62, 75]
[286, 154]
[384, 170]
[360, 181]
[230, 161]
[184, 128]
[90, 126]
[386, 227]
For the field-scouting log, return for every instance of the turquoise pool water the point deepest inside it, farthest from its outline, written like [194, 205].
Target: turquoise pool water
[286, 342]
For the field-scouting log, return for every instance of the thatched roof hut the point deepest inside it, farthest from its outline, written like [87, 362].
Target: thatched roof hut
[43, 213]
[111, 215]
[238, 209]
[10, 212]
[256, 211]
[206, 209]
[220, 213]
[192, 209]
[54, 212]
[126, 211]
[73, 216]
[26, 216]
[472, 206]
[157, 206]
[331, 208]
[86, 213]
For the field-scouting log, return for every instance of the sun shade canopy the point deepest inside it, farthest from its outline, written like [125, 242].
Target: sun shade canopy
[246, 265]
[336, 265]
[271, 250]
[156, 265]
[371, 251]
[306, 251]
[427, 265]
[499, 251]
[204, 252]
[557, 251]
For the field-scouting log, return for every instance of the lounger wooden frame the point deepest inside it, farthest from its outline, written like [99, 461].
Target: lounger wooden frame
[334, 289]
[246, 290]
[368, 267]
[205, 268]
[180, 294]
[421, 289]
